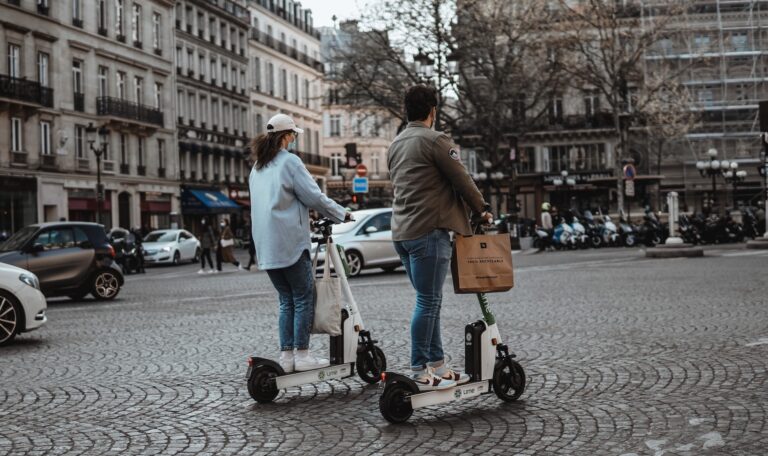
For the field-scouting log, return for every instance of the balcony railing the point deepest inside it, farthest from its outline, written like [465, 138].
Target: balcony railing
[19, 158]
[24, 90]
[15, 2]
[83, 164]
[108, 166]
[283, 48]
[125, 168]
[79, 102]
[109, 106]
[141, 170]
[160, 172]
[102, 31]
[42, 9]
[48, 162]
[77, 22]
[313, 159]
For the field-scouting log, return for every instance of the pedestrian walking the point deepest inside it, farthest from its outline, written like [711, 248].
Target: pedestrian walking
[251, 250]
[207, 239]
[282, 191]
[139, 240]
[432, 190]
[226, 247]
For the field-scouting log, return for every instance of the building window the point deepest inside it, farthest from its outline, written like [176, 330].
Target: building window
[101, 14]
[257, 74]
[335, 125]
[215, 112]
[242, 79]
[121, 85]
[103, 84]
[201, 64]
[77, 12]
[45, 138]
[190, 62]
[123, 150]
[119, 19]
[179, 59]
[77, 76]
[335, 164]
[284, 84]
[180, 103]
[16, 134]
[317, 142]
[14, 61]
[191, 107]
[161, 153]
[140, 152]
[306, 93]
[271, 78]
[157, 31]
[80, 141]
[556, 110]
[213, 71]
[42, 68]
[224, 73]
[375, 162]
[158, 96]
[138, 85]
[212, 30]
[259, 124]
[203, 110]
[296, 88]
[591, 104]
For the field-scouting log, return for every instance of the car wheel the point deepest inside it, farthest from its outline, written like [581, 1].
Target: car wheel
[9, 317]
[355, 262]
[105, 285]
[176, 258]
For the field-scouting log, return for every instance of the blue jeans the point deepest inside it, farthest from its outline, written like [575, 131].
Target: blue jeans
[426, 262]
[294, 285]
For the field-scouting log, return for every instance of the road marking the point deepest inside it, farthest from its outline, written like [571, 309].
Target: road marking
[740, 254]
[761, 341]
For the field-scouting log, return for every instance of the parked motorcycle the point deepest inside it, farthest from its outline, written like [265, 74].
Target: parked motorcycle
[126, 249]
[563, 237]
[649, 233]
[627, 234]
[610, 232]
[593, 229]
[688, 231]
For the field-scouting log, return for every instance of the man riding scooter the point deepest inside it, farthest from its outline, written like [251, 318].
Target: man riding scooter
[546, 226]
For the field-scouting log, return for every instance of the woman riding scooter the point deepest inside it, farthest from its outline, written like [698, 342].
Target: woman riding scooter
[282, 192]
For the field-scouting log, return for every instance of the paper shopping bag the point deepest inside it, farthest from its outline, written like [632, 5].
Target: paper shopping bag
[482, 264]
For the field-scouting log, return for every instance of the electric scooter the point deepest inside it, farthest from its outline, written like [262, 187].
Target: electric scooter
[488, 363]
[352, 350]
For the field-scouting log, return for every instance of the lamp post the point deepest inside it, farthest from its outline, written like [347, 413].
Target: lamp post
[734, 178]
[100, 149]
[564, 182]
[713, 168]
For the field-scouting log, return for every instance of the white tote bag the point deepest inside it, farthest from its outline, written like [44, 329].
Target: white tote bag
[328, 296]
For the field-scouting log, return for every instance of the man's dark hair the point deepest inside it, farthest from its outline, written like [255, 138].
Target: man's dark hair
[419, 100]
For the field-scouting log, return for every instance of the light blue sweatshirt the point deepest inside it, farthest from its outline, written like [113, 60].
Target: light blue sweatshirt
[281, 194]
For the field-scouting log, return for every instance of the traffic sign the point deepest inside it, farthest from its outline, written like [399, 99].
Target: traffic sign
[360, 185]
[362, 170]
[629, 188]
[629, 172]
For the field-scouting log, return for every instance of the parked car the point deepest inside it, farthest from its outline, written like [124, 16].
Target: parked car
[367, 241]
[70, 259]
[22, 305]
[171, 246]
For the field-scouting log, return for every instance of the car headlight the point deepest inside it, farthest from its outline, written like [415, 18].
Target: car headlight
[30, 280]
[165, 249]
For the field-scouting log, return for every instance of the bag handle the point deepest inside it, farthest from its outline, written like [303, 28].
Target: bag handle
[314, 262]
[327, 265]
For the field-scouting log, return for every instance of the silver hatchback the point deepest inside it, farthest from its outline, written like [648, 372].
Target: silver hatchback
[367, 241]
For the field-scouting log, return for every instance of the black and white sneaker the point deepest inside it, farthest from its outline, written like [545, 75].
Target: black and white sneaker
[449, 374]
[428, 381]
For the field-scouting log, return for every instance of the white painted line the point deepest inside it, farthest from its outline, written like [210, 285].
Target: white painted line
[761, 341]
[741, 254]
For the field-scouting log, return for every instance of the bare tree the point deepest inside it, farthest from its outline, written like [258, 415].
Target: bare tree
[606, 46]
[489, 60]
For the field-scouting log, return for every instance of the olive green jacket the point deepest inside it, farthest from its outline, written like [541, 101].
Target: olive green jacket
[432, 188]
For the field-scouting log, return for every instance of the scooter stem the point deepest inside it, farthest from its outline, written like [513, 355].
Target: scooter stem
[488, 316]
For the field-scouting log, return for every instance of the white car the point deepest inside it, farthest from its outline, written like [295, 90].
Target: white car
[367, 241]
[22, 305]
[170, 246]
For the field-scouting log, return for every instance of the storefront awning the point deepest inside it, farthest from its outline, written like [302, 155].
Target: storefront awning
[200, 201]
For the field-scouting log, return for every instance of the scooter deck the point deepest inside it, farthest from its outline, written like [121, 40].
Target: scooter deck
[459, 392]
[331, 372]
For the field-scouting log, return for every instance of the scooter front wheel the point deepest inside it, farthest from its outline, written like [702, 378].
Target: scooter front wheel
[261, 384]
[370, 364]
[508, 379]
[394, 404]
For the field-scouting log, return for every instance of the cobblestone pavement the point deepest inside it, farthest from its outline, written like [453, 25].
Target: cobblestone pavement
[624, 356]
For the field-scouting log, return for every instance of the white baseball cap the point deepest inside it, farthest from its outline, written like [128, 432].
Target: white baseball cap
[282, 122]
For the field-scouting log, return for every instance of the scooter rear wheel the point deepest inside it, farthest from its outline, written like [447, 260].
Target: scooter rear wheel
[261, 385]
[370, 364]
[508, 379]
[394, 404]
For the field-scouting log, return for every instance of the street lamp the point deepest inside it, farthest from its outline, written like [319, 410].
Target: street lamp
[735, 178]
[564, 182]
[713, 168]
[100, 149]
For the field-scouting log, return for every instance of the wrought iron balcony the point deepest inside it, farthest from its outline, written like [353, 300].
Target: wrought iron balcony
[110, 106]
[77, 22]
[24, 90]
[160, 172]
[18, 158]
[42, 9]
[313, 159]
[48, 162]
[125, 168]
[141, 170]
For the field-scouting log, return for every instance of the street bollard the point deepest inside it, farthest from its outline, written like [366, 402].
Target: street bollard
[674, 214]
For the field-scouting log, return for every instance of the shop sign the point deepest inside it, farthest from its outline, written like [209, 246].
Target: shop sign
[580, 178]
[238, 194]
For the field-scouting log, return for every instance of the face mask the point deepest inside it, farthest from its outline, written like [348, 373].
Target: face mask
[222, 225]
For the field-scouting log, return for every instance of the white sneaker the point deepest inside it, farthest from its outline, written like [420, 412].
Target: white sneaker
[215, 271]
[309, 362]
[240, 268]
[210, 271]
[202, 271]
[428, 381]
[447, 373]
[286, 361]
